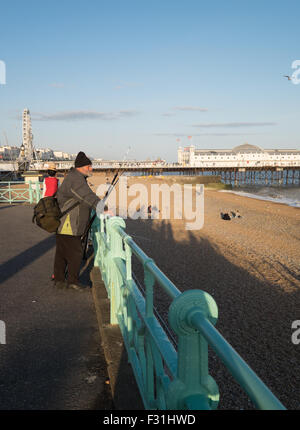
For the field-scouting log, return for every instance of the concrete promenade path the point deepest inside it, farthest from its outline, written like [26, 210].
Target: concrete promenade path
[52, 359]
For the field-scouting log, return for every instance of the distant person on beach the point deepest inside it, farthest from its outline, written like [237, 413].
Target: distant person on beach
[225, 216]
[236, 214]
[153, 210]
[69, 249]
[51, 183]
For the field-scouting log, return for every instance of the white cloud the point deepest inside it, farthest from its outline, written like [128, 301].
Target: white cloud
[57, 85]
[235, 124]
[203, 134]
[127, 85]
[190, 108]
[84, 115]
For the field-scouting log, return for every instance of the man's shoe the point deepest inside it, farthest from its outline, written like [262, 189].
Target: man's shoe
[79, 287]
[61, 285]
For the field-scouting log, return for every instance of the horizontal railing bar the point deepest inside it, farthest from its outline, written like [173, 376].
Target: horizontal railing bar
[13, 190]
[159, 276]
[14, 182]
[258, 392]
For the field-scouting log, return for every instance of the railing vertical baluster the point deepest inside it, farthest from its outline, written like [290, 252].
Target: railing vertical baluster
[9, 194]
[97, 248]
[100, 245]
[127, 299]
[104, 254]
[149, 283]
[149, 370]
[37, 191]
[129, 316]
[128, 254]
[102, 223]
[116, 251]
[193, 380]
[30, 193]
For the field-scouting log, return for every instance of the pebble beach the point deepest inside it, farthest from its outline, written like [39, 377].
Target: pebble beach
[251, 267]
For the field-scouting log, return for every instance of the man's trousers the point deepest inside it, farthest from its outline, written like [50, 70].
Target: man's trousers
[69, 253]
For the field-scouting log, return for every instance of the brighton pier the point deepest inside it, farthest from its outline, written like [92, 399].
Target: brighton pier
[287, 173]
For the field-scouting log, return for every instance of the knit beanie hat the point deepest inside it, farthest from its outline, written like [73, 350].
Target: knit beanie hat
[82, 160]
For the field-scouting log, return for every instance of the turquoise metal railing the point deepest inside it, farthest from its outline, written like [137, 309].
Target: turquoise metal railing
[167, 378]
[20, 192]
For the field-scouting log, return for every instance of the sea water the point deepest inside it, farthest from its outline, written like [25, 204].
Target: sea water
[263, 185]
[288, 195]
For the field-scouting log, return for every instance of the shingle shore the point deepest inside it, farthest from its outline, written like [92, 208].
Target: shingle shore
[250, 266]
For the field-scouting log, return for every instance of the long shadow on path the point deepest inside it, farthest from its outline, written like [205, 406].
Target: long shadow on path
[52, 358]
[25, 258]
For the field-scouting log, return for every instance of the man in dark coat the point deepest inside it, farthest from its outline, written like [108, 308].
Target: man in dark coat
[69, 250]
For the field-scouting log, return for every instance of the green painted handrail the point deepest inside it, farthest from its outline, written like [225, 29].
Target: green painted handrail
[258, 392]
[167, 379]
[30, 193]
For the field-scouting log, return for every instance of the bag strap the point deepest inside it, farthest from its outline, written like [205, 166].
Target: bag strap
[69, 209]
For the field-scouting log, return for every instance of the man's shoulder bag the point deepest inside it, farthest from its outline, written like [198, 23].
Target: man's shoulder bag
[47, 214]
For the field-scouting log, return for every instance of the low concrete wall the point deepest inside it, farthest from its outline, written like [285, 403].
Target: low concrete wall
[124, 388]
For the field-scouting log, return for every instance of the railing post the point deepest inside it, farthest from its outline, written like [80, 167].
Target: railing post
[149, 284]
[193, 388]
[128, 254]
[9, 193]
[116, 251]
[97, 242]
[30, 193]
[37, 191]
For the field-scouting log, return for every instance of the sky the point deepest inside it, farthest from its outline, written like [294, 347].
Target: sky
[106, 76]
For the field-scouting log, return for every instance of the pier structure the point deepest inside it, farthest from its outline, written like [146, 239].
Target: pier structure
[288, 174]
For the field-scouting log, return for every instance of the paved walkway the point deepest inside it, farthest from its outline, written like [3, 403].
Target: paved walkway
[52, 358]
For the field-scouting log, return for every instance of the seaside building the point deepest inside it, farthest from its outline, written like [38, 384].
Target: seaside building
[45, 154]
[241, 156]
[9, 152]
[60, 155]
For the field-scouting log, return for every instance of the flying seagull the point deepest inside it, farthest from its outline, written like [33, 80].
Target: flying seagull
[289, 78]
